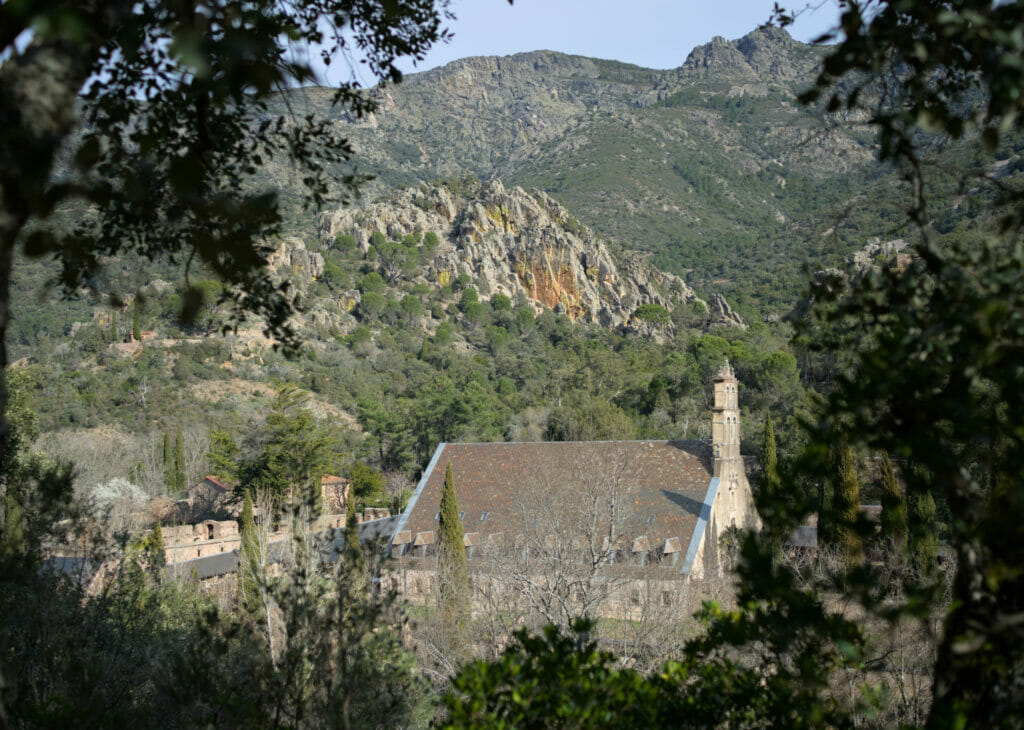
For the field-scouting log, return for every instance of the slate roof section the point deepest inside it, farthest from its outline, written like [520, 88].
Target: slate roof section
[661, 485]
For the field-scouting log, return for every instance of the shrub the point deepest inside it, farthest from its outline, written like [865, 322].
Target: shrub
[345, 242]
[651, 312]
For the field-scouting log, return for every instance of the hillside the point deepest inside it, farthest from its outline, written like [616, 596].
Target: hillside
[553, 247]
[516, 244]
[712, 167]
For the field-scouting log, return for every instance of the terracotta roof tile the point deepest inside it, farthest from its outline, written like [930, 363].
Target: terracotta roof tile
[658, 487]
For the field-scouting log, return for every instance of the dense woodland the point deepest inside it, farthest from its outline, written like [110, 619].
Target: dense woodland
[894, 382]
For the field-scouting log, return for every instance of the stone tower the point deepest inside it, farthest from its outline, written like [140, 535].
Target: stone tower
[725, 423]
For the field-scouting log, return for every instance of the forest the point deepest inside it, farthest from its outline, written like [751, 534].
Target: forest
[176, 351]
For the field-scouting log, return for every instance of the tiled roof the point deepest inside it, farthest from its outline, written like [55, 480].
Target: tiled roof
[215, 481]
[658, 487]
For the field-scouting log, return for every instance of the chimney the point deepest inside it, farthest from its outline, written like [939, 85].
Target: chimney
[725, 420]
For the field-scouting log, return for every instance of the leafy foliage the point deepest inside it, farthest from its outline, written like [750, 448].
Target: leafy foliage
[452, 565]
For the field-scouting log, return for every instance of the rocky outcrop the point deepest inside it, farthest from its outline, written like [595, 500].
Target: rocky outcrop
[293, 261]
[763, 55]
[721, 312]
[876, 251]
[517, 243]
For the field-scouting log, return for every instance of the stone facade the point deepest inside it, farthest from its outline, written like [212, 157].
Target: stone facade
[199, 540]
[663, 508]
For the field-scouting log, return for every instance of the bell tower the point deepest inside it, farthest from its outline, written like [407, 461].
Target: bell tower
[725, 420]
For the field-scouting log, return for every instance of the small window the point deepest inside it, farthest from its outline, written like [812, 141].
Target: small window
[209, 532]
[462, 515]
[650, 520]
[483, 517]
[437, 517]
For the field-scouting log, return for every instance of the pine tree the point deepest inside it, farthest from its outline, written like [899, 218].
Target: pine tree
[894, 508]
[452, 566]
[179, 462]
[136, 324]
[848, 508]
[249, 563]
[223, 455]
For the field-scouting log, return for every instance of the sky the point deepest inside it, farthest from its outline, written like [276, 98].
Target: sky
[651, 33]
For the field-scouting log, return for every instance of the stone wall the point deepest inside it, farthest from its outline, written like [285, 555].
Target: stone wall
[635, 596]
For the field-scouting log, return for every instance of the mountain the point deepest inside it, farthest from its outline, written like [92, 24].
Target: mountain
[712, 167]
[521, 245]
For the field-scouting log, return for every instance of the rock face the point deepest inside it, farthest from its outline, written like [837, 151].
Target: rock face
[291, 259]
[518, 243]
[761, 54]
[721, 312]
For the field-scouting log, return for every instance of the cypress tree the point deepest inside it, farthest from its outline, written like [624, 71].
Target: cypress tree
[248, 559]
[172, 477]
[452, 566]
[771, 491]
[12, 539]
[157, 552]
[136, 324]
[924, 543]
[113, 326]
[352, 558]
[179, 462]
[848, 508]
[894, 509]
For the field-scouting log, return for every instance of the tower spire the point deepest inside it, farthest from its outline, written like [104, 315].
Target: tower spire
[725, 419]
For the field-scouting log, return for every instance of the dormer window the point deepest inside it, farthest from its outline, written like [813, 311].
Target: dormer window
[483, 517]
[437, 517]
[462, 515]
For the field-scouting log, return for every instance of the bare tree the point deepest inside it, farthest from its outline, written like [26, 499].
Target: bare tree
[560, 563]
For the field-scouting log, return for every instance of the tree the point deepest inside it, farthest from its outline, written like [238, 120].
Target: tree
[180, 481]
[294, 450]
[769, 492]
[223, 455]
[136, 324]
[847, 507]
[933, 377]
[924, 543]
[894, 508]
[155, 553]
[367, 484]
[248, 558]
[352, 556]
[452, 565]
[154, 119]
[168, 452]
[411, 308]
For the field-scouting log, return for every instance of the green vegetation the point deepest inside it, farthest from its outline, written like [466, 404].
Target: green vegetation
[894, 507]
[452, 566]
[922, 361]
[651, 312]
[847, 507]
